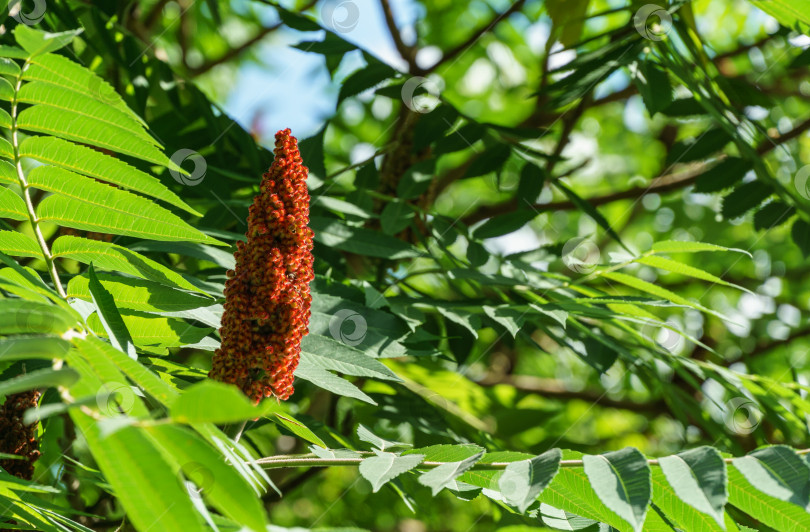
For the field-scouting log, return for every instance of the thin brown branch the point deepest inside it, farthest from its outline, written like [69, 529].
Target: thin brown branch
[555, 389]
[454, 174]
[446, 179]
[774, 142]
[569, 122]
[310, 460]
[184, 32]
[766, 347]
[762, 348]
[233, 53]
[659, 185]
[153, 15]
[539, 118]
[407, 52]
[743, 48]
[453, 52]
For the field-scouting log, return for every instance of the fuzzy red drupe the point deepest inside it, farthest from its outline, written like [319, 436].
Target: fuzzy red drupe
[267, 299]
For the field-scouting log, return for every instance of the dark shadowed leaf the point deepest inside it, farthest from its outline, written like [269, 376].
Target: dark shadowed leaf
[653, 85]
[110, 317]
[744, 198]
[722, 175]
[772, 215]
[698, 147]
[801, 235]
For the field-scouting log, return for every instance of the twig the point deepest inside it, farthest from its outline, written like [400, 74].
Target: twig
[233, 53]
[765, 347]
[568, 123]
[661, 184]
[184, 32]
[154, 14]
[407, 52]
[744, 48]
[310, 460]
[554, 389]
[345, 169]
[453, 52]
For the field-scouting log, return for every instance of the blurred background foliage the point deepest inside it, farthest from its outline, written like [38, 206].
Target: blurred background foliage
[499, 169]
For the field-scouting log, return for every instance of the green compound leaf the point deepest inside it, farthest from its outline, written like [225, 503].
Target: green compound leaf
[83, 203]
[691, 487]
[621, 479]
[443, 476]
[523, 481]
[385, 467]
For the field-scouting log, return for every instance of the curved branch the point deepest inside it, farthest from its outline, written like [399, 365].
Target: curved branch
[766, 347]
[233, 53]
[539, 118]
[661, 184]
[311, 460]
[408, 53]
[457, 50]
[554, 389]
